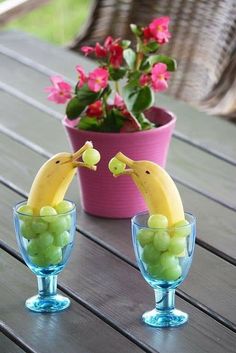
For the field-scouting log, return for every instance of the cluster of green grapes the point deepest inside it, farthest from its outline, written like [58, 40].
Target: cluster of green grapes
[47, 234]
[162, 247]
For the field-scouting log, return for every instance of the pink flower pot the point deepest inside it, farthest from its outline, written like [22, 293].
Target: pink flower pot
[106, 196]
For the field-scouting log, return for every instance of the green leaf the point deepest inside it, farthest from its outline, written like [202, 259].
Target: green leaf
[125, 43]
[171, 63]
[117, 74]
[74, 108]
[144, 122]
[151, 47]
[130, 58]
[85, 96]
[136, 29]
[113, 122]
[130, 94]
[87, 123]
[144, 100]
[138, 99]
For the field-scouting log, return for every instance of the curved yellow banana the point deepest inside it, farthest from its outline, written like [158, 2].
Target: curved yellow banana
[157, 188]
[54, 178]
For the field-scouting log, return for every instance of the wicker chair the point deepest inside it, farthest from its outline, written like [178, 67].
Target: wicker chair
[203, 43]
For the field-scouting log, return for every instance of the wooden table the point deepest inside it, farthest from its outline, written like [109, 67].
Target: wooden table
[107, 291]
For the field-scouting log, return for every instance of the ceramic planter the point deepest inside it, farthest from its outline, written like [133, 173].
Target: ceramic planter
[102, 194]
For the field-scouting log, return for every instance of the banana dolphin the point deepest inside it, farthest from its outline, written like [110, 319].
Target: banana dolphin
[54, 178]
[156, 186]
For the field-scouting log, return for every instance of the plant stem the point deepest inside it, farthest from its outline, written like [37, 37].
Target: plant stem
[117, 87]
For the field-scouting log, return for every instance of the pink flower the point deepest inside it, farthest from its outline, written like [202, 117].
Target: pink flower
[159, 76]
[116, 57]
[60, 92]
[100, 51]
[98, 79]
[159, 29]
[108, 42]
[118, 102]
[95, 109]
[144, 80]
[81, 76]
[87, 50]
[146, 33]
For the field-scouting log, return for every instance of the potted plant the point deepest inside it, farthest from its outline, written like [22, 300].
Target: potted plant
[119, 119]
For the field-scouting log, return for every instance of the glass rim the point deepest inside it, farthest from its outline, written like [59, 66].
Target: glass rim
[191, 223]
[21, 203]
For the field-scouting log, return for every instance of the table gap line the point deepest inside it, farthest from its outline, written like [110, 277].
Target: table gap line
[16, 255]
[49, 72]
[180, 293]
[8, 332]
[41, 151]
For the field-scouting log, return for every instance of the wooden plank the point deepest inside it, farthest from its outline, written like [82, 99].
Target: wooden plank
[190, 121]
[120, 295]
[186, 162]
[74, 330]
[116, 235]
[210, 233]
[10, 9]
[8, 346]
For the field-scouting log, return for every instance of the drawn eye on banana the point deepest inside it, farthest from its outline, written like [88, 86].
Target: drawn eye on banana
[55, 175]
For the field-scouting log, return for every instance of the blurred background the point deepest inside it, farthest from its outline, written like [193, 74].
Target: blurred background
[57, 21]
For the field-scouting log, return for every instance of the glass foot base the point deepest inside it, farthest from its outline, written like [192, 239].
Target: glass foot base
[47, 304]
[171, 318]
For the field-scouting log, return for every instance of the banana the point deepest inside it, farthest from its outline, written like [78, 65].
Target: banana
[156, 186]
[54, 178]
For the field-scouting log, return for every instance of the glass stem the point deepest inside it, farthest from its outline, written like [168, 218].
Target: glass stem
[47, 286]
[165, 299]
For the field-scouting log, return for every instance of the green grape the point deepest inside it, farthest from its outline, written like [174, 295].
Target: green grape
[177, 245]
[157, 221]
[64, 206]
[39, 226]
[150, 255]
[39, 261]
[91, 156]
[68, 219]
[53, 254]
[168, 260]
[62, 239]
[145, 236]
[59, 225]
[25, 210]
[48, 211]
[45, 240]
[161, 240]
[27, 231]
[172, 273]
[181, 229]
[116, 167]
[155, 270]
[33, 248]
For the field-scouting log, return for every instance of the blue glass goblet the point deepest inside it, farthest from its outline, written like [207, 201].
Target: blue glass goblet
[45, 243]
[164, 257]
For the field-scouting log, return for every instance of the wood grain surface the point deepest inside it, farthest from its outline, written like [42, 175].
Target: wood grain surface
[74, 330]
[8, 346]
